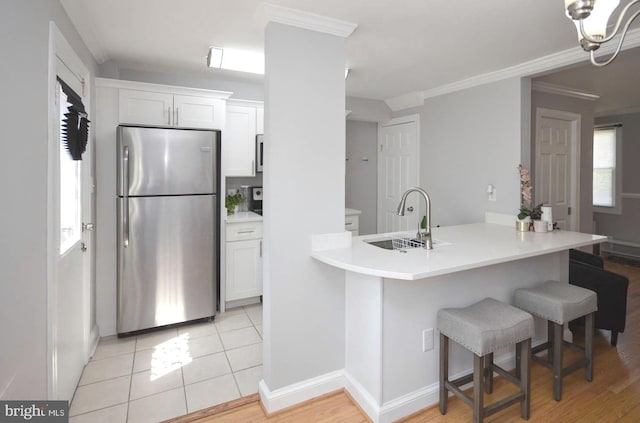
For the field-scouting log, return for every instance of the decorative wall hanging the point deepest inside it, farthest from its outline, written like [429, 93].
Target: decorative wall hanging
[75, 126]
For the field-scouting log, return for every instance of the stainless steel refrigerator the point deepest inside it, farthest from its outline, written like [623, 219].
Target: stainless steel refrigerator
[168, 243]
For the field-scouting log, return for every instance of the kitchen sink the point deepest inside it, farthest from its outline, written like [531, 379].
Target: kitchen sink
[388, 243]
[400, 242]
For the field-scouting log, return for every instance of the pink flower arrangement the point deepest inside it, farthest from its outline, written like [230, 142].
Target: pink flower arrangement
[526, 195]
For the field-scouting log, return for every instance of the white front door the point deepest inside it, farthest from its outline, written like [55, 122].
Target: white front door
[557, 135]
[398, 171]
[69, 298]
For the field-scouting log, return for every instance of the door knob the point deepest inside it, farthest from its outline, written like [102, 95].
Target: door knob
[87, 227]
[83, 247]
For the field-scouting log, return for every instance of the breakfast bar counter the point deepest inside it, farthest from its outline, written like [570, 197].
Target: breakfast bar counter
[392, 298]
[456, 248]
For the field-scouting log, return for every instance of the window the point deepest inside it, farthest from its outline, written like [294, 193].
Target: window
[70, 200]
[606, 169]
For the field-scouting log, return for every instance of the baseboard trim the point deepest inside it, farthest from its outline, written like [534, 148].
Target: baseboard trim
[94, 338]
[296, 393]
[361, 396]
[390, 411]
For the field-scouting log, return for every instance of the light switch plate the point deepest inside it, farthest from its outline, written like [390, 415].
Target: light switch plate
[427, 340]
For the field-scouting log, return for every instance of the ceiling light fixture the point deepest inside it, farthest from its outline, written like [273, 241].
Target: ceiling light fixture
[214, 58]
[591, 18]
[235, 59]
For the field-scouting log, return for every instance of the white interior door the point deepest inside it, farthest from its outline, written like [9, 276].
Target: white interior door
[556, 165]
[69, 281]
[398, 156]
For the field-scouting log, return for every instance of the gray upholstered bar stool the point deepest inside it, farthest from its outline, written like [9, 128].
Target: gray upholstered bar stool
[559, 303]
[483, 328]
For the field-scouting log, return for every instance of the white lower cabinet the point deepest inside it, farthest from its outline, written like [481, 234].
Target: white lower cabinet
[243, 261]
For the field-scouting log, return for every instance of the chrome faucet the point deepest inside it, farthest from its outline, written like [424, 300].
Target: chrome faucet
[425, 235]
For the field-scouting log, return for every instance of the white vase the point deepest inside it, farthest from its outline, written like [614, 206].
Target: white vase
[540, 226]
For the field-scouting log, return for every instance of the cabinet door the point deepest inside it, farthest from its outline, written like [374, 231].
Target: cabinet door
[239, 141]
[260, 120]
[145, 108]
[244, 269]
[198, 112]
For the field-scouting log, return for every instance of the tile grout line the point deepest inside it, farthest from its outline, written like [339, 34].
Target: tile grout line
[99, 409]
[135, 353]
[184, 390]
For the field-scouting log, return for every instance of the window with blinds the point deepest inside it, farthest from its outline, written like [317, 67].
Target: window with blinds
[606, 170]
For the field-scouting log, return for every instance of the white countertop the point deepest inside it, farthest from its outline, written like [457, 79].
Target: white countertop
[351, 212]
[240, 217]
[462, 247]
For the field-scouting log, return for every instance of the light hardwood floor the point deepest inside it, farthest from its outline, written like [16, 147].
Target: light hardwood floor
[613, 396]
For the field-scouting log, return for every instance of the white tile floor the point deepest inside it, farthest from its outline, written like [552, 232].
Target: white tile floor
[165, 374]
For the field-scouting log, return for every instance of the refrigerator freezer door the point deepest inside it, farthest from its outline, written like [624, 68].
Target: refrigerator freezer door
[167, 272]
[166, 161]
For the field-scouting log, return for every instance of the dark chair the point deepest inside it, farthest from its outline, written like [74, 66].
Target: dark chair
[587, 270]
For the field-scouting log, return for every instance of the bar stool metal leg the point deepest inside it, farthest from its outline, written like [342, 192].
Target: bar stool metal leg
[444, 372]
[488, 373]
[524, 350]
[518, 361]
[478, 391]
[557, 361]
[550, 340]
[588, 344]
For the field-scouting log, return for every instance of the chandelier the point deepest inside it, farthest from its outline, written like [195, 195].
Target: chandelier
[591, 18]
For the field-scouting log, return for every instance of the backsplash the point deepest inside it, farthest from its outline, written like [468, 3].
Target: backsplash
[236, 182]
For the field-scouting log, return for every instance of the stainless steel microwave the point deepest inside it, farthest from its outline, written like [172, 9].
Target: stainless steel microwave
[259, 152]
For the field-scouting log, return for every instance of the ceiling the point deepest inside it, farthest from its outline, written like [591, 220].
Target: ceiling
[415, 45]
[616, 84]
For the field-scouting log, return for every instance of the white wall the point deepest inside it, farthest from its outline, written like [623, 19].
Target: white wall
[469, 139]
[105, 123]
[362, 176]
[368, 110]
[304, 168]
[585, 108]
[24, 41]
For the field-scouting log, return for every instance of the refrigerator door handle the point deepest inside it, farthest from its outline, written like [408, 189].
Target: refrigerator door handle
[125, 205]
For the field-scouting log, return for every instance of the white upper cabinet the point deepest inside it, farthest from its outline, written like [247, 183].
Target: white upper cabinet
[198, 112]
[166, 108]
[239, 141]
[146, 107]
[260, 120]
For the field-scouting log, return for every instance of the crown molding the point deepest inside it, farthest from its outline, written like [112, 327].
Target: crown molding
[405, 101]
[545, 87]
[160, 88]
[305, 20]
[531, 68]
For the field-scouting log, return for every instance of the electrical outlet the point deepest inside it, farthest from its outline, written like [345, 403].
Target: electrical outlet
[427, 340]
